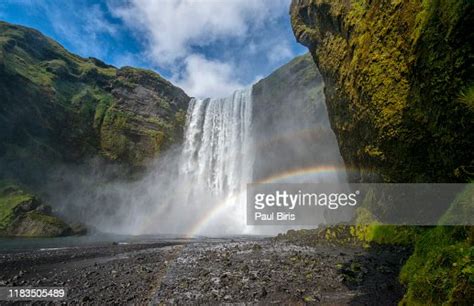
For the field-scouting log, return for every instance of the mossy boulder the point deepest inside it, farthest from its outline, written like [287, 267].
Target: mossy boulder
[37, 224]
[24, 215]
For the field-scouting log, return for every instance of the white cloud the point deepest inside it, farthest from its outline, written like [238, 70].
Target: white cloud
[173, 27]
[280, 53]
[207, 78]
[174, 30]
[95, 21]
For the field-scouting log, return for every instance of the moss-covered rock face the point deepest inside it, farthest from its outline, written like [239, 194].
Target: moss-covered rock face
[399, 82]
[59, 109]
[399, 90]
[56, 106]
[24, 215]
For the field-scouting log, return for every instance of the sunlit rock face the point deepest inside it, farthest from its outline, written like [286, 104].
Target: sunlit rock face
[399, 91]
[398, 78]
[60, 108]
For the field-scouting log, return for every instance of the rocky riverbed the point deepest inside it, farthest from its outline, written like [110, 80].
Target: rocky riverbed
[100, 274]
[239, 270]
[271, 272]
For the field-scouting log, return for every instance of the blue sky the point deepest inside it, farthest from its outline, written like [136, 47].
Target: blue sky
[207, 47]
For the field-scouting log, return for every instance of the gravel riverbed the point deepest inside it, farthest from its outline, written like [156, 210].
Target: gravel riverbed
[212, 271]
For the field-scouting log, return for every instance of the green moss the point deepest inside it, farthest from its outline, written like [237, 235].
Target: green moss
[180, 118]
[134, 73]
[11, 196]
[399, 78]
[441, 270]
[89, 68]
[113, 142]
[37, 224]
[91, 103]
[395, 70]
[467, 97]
[369, 230]
[18, 63]
[123, 139]
[388, 234]
[59, 106]
[104, 103]
[342, 235]
[46, 219]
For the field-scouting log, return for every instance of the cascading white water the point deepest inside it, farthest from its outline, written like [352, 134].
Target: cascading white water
[200, 187]
[263, 134]
[217, 152]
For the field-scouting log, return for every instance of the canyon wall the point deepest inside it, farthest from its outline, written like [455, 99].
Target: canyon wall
[399, 84]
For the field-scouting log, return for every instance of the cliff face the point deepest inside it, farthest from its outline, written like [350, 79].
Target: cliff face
[58, 109]
[289, 114]
[56, 106]
[399, 84]
[400, 96]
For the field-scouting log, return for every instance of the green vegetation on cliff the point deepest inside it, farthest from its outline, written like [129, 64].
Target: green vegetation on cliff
[399, 81]
[441, 269]
[58, 107]
[399, 77]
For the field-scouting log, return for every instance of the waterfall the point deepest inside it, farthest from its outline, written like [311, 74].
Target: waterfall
[258, 134]
[229, 142]
[217, 152]
[273, 132]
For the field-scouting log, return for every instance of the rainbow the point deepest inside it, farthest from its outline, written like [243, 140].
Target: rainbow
[312, 172]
